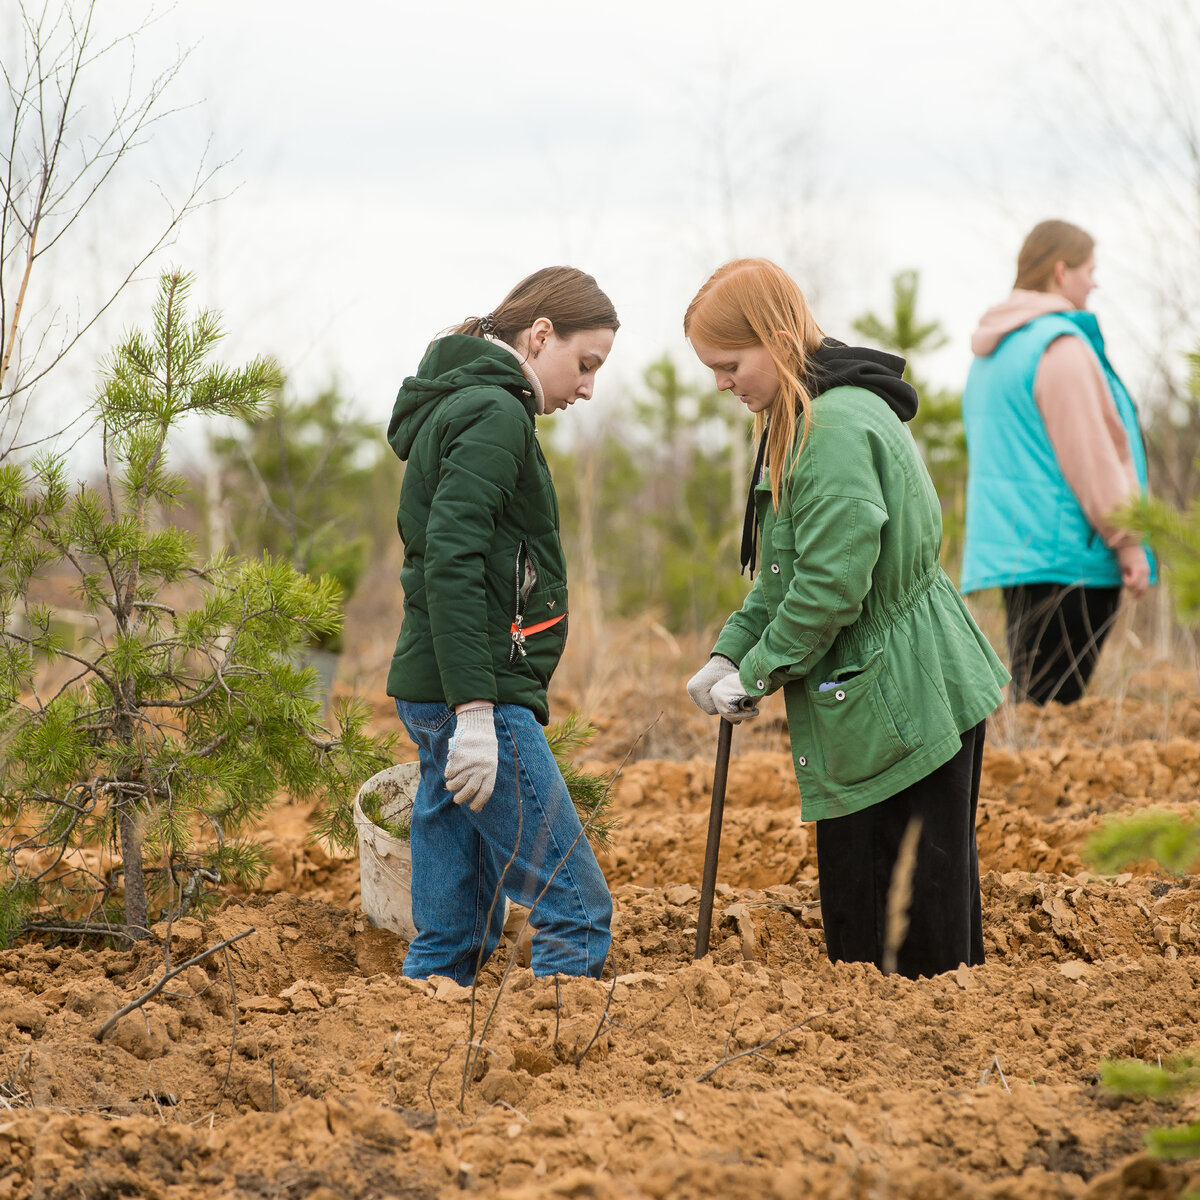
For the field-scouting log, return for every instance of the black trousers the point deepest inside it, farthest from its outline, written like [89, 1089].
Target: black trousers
[856, 856]
[1054, 637]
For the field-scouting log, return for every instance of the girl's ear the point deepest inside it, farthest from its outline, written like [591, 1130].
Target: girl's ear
[539, 333]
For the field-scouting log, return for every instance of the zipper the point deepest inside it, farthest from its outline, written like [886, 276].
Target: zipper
[525, 576]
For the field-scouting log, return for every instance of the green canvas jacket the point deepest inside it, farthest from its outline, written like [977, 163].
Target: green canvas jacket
[484, 576]
[851, 594]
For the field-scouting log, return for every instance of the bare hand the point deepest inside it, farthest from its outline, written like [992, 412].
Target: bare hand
[1135, 570]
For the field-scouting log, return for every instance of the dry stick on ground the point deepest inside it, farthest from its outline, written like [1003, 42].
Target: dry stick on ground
[469, 1069]
[233, 1035]
[433, 1075]
[658, 1012]
[87, 929]
[497, 896]
[9, 1086]
[987, 1073]
[446, 1058]
[753, 1049]
[899, 897]
[152, 992]
[596, 1034]
[557, 1009]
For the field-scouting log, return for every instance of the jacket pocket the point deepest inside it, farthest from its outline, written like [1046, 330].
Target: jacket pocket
[525, 578]
[544, 644]
[862, 723]
[538, 609]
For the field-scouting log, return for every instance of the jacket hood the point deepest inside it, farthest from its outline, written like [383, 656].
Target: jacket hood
[834, 364]
[1009, 315]
[450, 364]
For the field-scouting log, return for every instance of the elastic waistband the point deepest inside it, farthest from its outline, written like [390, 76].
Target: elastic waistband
[864, 631]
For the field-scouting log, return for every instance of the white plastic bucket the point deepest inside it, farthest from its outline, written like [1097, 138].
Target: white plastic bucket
[385, 862]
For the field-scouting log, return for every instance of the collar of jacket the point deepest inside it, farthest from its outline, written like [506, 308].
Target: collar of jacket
[834, 364]
[539, 396]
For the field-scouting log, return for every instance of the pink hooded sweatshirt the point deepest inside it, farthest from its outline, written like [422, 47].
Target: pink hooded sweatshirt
[1079, 412]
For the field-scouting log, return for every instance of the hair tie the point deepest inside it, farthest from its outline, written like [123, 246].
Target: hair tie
[488, 324]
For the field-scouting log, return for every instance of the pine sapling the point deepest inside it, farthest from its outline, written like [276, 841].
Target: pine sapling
[183, 712]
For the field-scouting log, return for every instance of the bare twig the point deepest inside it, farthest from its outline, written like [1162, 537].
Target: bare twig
[497, 896]
[433, 1076]
[445, 1059]
[987, 1073]
[519, 1113]
[558, 1006]
[753, 1050]
[152, 992]
[512, 958]
[233, 1035]
[599, 1027]
[86, 929]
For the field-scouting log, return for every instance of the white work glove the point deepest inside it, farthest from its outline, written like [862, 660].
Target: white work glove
[700, 685]
[472, 759]
[728, 695]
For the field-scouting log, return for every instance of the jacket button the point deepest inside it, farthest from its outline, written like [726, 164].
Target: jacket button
[802, 761]
[758, 683]
[839, 694]
[774, 568]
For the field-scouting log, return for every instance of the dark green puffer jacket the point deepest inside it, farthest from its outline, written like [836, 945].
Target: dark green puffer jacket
[479, 519]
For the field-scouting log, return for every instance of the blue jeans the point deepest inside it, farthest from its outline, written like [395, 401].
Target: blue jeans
[526, 843]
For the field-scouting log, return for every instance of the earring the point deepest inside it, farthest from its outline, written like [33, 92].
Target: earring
[536, 353]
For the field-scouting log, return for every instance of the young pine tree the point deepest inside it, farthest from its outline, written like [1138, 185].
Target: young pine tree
[182, 713]
[303, 472]
[937, 427]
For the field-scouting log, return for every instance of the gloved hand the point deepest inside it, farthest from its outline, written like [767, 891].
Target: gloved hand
[472, 759]
[700, 685]
[727, 694]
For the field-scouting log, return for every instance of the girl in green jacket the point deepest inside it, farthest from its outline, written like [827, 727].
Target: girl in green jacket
[485, 621]
[887, 680]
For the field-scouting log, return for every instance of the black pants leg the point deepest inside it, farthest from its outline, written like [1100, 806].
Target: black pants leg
[856, 855]
[1054, 638]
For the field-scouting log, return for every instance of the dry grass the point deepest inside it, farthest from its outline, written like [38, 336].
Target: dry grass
[623, 674]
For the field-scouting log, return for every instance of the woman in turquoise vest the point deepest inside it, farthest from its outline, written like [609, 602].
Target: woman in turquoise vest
[1055, 451]
[886, 679]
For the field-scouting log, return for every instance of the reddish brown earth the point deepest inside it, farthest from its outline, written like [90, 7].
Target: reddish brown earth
[301, 1064]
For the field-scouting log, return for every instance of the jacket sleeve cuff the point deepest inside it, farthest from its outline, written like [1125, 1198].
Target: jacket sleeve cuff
[464, 687]
[734, 644]
[755, 681]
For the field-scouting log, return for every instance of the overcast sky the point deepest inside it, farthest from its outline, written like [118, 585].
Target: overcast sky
[395, 167]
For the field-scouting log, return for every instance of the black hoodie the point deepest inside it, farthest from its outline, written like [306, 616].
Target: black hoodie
[834, 364]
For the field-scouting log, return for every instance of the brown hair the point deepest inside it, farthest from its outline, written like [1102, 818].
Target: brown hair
[1049, 243]
[752, 302]
[569, 299]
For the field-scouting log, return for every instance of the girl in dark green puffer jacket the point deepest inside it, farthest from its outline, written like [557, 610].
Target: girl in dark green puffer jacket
[485, 619]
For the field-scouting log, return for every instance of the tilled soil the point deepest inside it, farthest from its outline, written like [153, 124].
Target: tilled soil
[299, 1063]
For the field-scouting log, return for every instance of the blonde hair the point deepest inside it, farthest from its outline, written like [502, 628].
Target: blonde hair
[1049, 243]
[752, 302]
[570, 299]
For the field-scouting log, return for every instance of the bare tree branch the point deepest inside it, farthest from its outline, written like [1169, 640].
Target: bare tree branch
[150, 993]
[51, 173]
